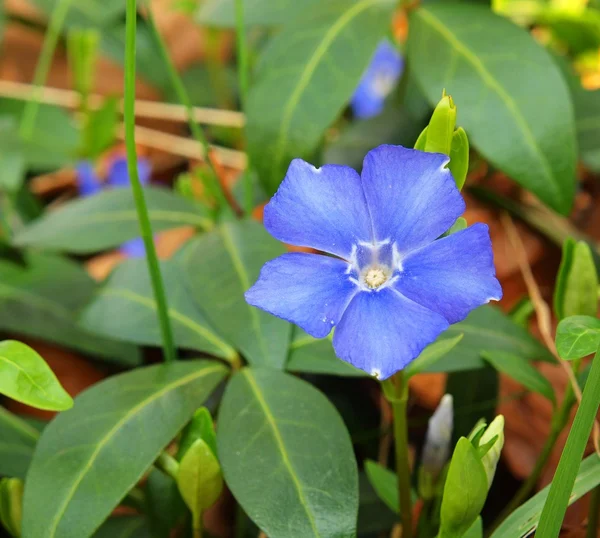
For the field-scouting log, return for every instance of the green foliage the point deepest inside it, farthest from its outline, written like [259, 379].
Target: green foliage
[576, 281]
[75, 459]
[124, 308]
[577, 337]
[11, 505]
[225, 263]
[256, 12]
[304, 79]
[25, 377]
[520, 119]
[108, 219]
[100, 129]
[82, 46]
[281, 443]
[17, 442]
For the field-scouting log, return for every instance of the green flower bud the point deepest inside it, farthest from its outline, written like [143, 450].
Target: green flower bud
[11, 504]
[493, 439]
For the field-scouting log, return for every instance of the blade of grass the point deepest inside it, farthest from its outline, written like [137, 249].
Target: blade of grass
[212, 186]
[57, 20]
[570, 460]
[136, 186]
[242, 69]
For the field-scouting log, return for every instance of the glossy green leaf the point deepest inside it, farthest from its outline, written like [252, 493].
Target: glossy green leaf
[220, 267]
[576, 282]
[124, 308]
[107, 442]
[520, 370]
[166, 508]
[107, 220]
[577, 337]
[25, 377]
[438, 137]
[384, 483]
[42, 299]
[520, 92]
[221, 13]
[199, 478]
[487, 328]
[305, 77]
[316, 356]
[281, 443]
[431, 354]
[200, 427]
[124, 527]
[523, 521]
[17, 443]
[563, 482]
[476, 530]
[465, 491]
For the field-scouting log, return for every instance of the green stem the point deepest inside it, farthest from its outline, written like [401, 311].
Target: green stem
[396, 391]
[594, 515]
[559, 422]
[213, 186]
[136, 187]
[57, 20]
[165, 462]
[243, 70]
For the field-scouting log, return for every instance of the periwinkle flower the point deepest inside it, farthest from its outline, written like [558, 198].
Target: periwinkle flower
[391, 286]
[89, 183]
[378, 81]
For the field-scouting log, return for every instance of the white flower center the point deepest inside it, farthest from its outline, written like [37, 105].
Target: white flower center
[376, 276]
[383, 83]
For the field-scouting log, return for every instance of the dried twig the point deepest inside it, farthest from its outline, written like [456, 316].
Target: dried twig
[144, 109]
[543, 312]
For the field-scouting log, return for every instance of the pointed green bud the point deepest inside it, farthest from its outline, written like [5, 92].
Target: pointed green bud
[200, 427]
[459, 157]
[199, 479]
[577, 277]
[493, 441]
[82, 48]
[420, 143]
[11, 505]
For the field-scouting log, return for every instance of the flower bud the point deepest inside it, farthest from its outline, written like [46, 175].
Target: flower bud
[11, 503]
[492, 454]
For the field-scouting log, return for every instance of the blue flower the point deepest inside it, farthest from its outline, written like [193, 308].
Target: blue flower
[391, 286]
[378, 81]
[89, 183]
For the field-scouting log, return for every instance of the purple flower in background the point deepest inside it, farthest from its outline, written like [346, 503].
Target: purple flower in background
[89, 184]
[377, 81]
[391, 286]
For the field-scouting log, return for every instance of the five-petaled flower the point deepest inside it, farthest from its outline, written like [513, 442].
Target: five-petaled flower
[378, 81]
[391, 284]
[89, 183]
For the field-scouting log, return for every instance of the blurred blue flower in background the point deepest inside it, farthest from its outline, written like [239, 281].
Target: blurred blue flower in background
[391, 286]
[89, 183]
[378, 81]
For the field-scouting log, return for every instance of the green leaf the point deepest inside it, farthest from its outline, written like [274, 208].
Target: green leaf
[124, 308]
[107, 220]
[25, 377]
[384, 483]
[200, 427]
[465, 491]
[439, 133]
[166, 508]
[523, 521]
[459, 157]
[316, 356]
[107, 442]
[17, 443]
[12, 164]
[305, 77]
[199, 478]
[101, 129]
[520, 92]
[224, 264]
[577, 337]
[520, 370]
[11, 504]
[568, 466]
[431, 354]
[124, 527]
[476, 530]
[576, 282]
[42, 299]
[281, 443]
[487, 328]
[221, 13]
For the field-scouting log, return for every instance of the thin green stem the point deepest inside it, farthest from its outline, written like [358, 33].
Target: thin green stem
[211, 182]
[396, 391]
[594, 515]
[30, 111]
[136, 186]
[243, 77]
[165, 462]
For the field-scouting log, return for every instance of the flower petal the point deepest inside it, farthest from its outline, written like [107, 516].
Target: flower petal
[411, 196]
[88, 183]
[381, 332]
[322, 208]
[452, 275]
[309, 290]
[118, 175]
